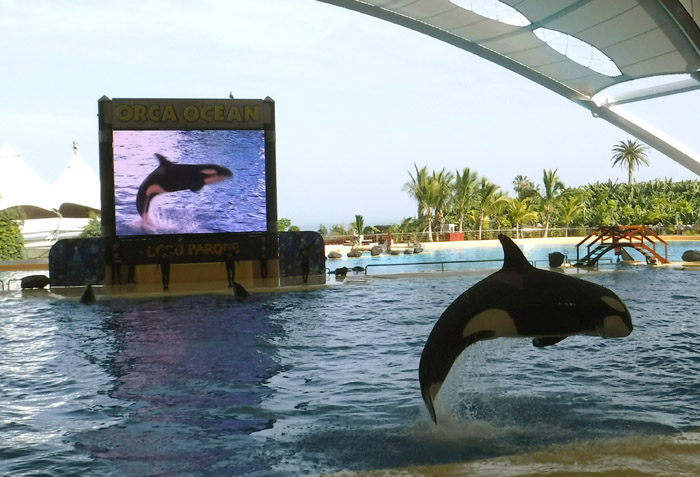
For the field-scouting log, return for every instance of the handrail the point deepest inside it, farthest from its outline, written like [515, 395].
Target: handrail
[442, 263]
[10, 281]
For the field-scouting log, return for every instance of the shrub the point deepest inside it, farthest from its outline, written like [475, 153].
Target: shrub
[11, 240]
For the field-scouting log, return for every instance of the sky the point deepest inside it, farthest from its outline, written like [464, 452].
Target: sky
[358, 101]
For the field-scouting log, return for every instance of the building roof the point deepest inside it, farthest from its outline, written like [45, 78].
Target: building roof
[600, 54]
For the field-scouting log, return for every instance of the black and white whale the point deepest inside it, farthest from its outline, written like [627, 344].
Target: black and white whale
[519, 300]
[172, 177]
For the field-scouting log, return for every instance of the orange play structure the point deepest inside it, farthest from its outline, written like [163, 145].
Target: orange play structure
[615, 237]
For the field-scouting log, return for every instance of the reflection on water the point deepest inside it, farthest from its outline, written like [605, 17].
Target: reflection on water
[326, 381]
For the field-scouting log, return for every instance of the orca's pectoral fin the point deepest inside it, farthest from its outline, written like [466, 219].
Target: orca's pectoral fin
[197, 188]
[547, 341]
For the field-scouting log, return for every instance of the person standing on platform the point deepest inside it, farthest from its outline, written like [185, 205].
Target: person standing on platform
[230, 261]
[116, 264]
[263, 257]
[130, 264]
[164, 263]
[304, 254]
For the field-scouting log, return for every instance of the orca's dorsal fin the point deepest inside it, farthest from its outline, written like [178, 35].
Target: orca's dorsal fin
[513, 258]
[164, 161]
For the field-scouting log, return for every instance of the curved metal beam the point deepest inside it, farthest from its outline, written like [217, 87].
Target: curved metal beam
[607, 111]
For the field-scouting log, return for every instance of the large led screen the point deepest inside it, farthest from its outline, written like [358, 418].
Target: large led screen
[195, 181]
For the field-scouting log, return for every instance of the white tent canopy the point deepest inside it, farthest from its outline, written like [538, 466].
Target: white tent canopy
[74, 194]
[50, 212]
[21, 187]
[77, 190]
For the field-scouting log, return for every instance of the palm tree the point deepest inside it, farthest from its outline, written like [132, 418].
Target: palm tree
[419, 188]
[443, 194]
[520, 213]
[499, 208]
[553, 188]
[359, 228]
[572, 207]
[524, 187]
[464, 193]
[629, 154]
[486, 196]
[428, 191]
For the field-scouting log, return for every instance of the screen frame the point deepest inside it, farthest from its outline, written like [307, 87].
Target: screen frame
[185, 115]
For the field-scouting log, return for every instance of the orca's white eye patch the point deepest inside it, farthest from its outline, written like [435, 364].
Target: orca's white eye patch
[613, 303]
[615, 327]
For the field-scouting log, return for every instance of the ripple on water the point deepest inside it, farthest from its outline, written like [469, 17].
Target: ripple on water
[326, 380]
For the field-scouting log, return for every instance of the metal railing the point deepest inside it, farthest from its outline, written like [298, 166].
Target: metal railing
[488, 234]
[441, 263]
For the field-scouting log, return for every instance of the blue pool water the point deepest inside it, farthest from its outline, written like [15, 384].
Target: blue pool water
[326, 381]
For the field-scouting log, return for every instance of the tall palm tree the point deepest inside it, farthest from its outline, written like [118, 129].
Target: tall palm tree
[464, 193]
[499, 208]
[417, 187]
[572, 207]
[443, 183]
[359, 228]
[428, 191]
[629, 154]
[520, 213]
[524, 187]
[486, 195]
[553, 188]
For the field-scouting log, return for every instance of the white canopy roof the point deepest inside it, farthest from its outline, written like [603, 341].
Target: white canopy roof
[581, 49]
[21, 187]
[74, 194]
[77, 190]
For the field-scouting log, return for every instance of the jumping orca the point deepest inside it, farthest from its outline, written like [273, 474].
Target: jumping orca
[519, 300]
[171, 177]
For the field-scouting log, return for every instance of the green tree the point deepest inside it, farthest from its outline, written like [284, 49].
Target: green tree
[323, 231]
[428, 190]
[339, 229]
[573, 206]
[359, 226]
[524, 187]
[93, 227]
[486, 197]
[629, 154]
[417, 187]
[442, 182]
[553, 189]
[11, 240]
[464, 194]
[283, 224]
[520, 213]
